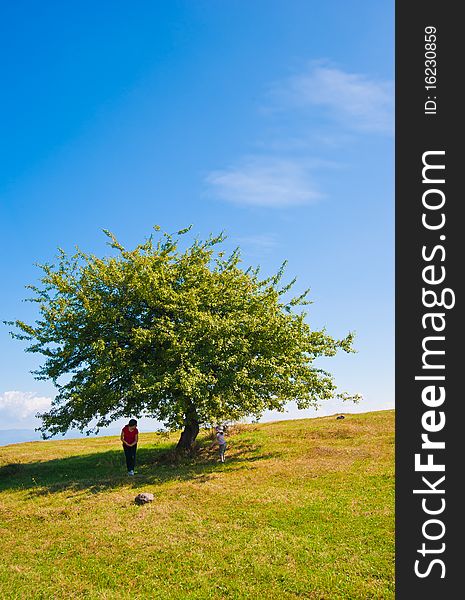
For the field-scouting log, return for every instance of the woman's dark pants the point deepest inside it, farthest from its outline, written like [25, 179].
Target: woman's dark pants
[130, 454]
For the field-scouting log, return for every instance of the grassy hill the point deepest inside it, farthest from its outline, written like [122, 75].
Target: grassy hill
[300, 509]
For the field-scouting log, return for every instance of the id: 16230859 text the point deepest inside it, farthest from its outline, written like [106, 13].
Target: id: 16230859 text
[430, 70]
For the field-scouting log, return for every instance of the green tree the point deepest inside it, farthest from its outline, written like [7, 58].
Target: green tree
[185, 336]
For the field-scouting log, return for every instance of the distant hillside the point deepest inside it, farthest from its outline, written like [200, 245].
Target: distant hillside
[17, 436]
[300, 509]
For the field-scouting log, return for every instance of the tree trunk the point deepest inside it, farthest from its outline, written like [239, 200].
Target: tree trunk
[191, 430]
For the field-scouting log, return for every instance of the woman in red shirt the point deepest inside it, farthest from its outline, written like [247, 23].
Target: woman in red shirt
[129, 438]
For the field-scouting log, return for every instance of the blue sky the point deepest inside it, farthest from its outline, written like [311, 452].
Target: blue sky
[270, 120]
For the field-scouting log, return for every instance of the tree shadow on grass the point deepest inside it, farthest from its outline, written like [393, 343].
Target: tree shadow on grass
[101, 471]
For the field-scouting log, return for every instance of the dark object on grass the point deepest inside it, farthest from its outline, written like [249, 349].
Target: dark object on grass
[143, 498]
[340, 417]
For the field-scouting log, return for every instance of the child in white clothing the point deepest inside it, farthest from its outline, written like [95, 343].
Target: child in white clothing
[221, 442]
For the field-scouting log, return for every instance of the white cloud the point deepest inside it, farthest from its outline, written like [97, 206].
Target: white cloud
[356, 101]
[260, 240]
[256, 246]
[281, 173]
[265, 181]
[16, 407]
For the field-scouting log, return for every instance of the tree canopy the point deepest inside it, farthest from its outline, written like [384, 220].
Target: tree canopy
[186, 336]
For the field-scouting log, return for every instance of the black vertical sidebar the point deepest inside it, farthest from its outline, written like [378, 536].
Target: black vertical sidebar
[430, 414]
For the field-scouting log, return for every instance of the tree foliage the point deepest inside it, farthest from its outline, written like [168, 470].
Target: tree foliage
[186, 336]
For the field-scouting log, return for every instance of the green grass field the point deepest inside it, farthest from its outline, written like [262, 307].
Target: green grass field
[300, 509]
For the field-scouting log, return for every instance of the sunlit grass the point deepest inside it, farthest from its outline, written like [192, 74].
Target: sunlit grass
[300, 509]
